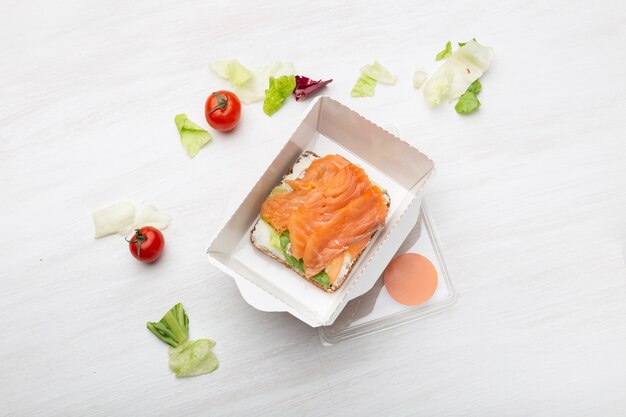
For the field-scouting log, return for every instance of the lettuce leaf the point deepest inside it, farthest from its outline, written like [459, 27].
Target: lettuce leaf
[279, 189]
[364, 87]
[468, 102]
[192, 136]
[193, 358]
[322, 278]
[279, 89]
[173, 328]
[475, 87]
[275, 239]
[232, 70]
[284, 242]
[253, 90]
[447, 51]
[306, 86]
[379, 73]
[456, 74]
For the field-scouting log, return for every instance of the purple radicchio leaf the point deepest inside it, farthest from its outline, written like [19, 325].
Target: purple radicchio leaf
[306, 86]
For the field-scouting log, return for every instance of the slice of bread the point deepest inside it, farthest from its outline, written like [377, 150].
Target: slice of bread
[261, 232]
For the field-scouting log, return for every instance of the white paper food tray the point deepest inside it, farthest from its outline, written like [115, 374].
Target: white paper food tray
[328, 127]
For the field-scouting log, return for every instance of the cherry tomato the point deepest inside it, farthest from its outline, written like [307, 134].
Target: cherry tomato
[222, 110]
[146, 244]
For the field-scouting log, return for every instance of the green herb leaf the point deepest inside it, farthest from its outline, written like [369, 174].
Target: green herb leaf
[322, 278]
[192, 136]
[447, 51]
[364, 87]
[463, 43]
[284, 242]
[467, 103]
[193, 358]
[173, 328]
[279, 89]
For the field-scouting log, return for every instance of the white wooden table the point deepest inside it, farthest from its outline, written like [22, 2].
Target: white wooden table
[529, 200]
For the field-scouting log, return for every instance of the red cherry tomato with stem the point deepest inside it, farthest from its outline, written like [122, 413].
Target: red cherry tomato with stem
[146, 244]
[222, 110]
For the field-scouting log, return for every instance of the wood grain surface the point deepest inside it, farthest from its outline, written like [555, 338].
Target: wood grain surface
[529, 201]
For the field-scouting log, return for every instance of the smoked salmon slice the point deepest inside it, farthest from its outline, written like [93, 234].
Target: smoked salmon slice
[348, 183]
[332, 210]
[319, 172]
[334, 267]
[361, 218]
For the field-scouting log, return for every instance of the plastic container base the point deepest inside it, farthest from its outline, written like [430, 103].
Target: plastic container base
[376, 311]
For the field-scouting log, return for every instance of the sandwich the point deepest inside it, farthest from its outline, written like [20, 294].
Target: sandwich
[320, 219]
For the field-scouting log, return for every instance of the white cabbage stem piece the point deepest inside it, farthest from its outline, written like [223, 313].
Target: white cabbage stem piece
[112, 219]
[461, 69]
[151, 216]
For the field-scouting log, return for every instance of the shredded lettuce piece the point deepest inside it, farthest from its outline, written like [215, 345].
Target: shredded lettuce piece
[463, 43]
[306, 86]
[322, 278]
[475, 87]
[232, 70]
[113, 219]
[419, 78]
[468, 102]
[279, 189]
[275, 239]
[253, 90]
[447, 51]
[173, 328]
[192, 136]
[378, 72]
[460, 70]
[284, 243]
[364, 87]
[279, 89]
[193, 358]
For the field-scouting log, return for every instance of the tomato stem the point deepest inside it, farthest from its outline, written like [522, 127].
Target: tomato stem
[139, 239]
[221, 102]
